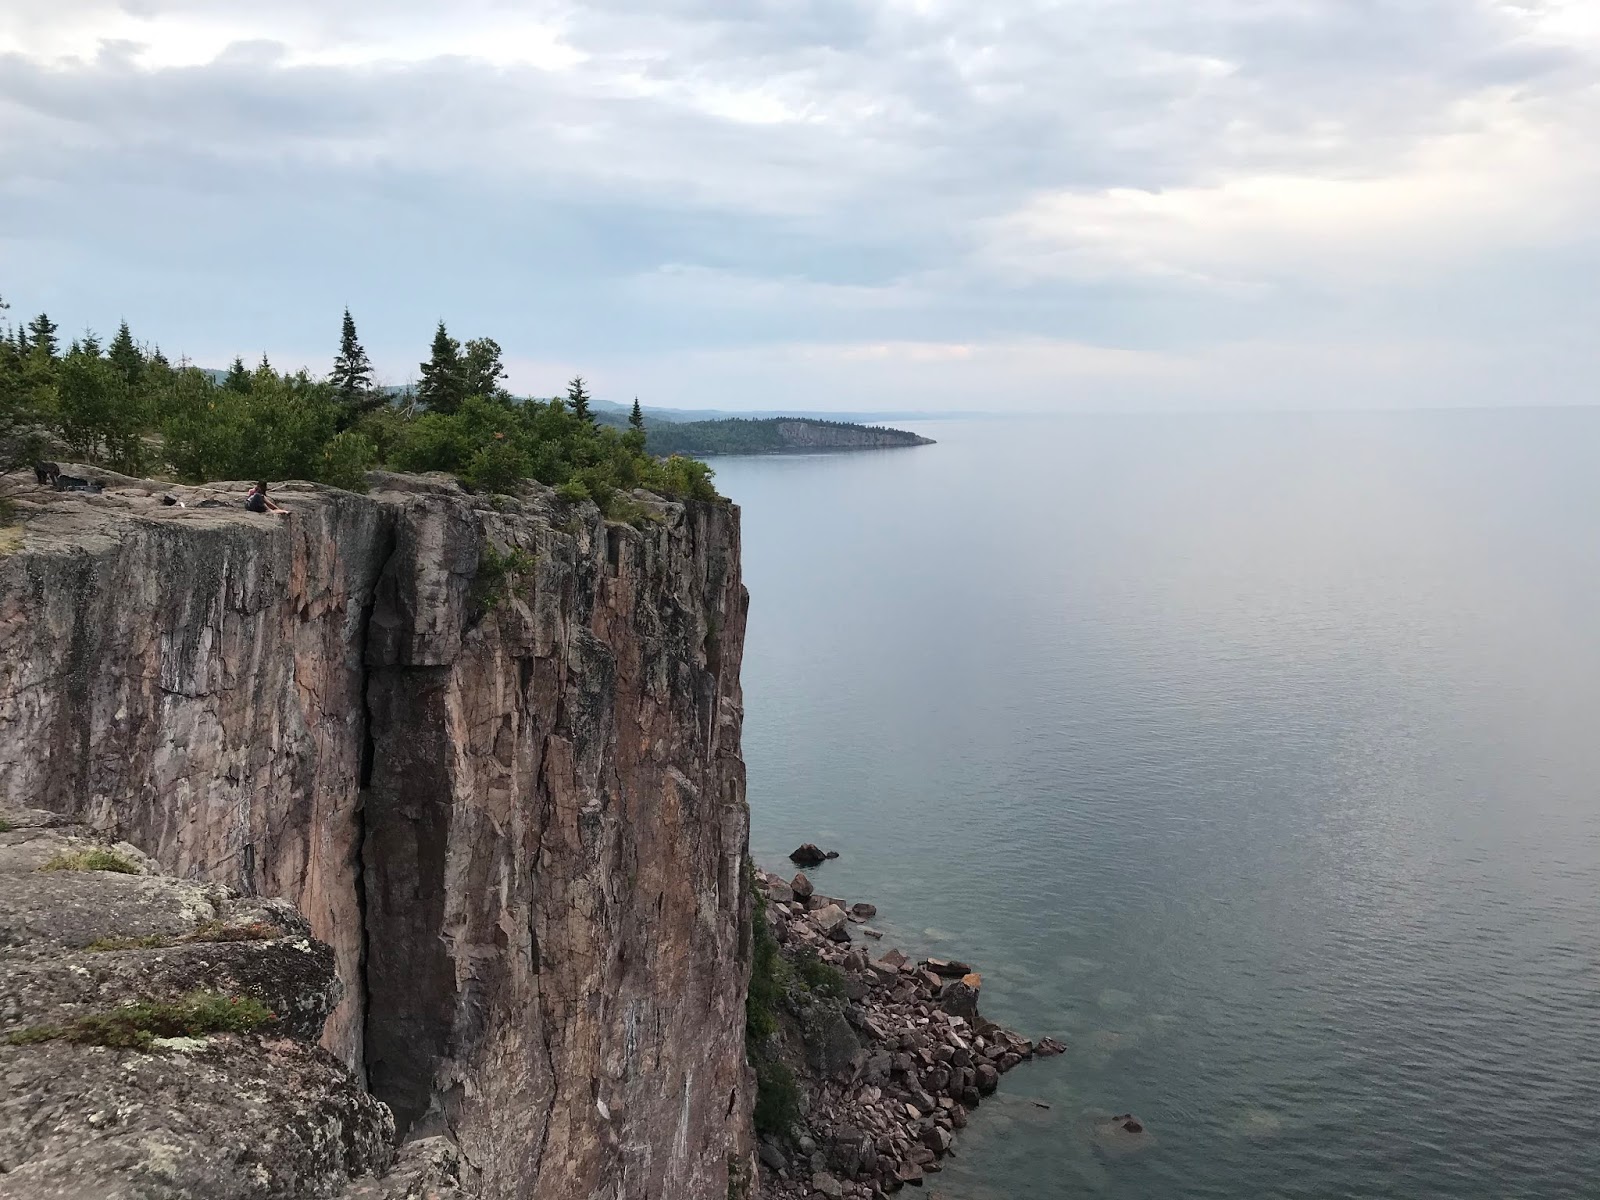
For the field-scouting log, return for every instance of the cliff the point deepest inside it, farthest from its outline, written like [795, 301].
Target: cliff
[490, 751]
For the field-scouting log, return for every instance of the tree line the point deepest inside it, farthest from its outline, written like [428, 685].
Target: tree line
[126, 407]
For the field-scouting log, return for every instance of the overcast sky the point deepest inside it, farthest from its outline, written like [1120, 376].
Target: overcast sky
[906, 204]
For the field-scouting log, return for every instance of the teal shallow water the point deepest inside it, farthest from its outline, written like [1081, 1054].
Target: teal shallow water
[1253, 757]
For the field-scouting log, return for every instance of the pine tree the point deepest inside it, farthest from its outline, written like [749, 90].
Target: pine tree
[482, 370]
[42, 336]
[351, 376]
[578, 400]
[636, 417]
[442, 386]
[238, 379]
[125, 356]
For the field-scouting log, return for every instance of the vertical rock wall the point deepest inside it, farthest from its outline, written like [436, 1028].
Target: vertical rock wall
[491, 752]
[192, 684]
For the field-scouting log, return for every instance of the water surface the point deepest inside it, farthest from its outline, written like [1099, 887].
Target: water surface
[1254, 757]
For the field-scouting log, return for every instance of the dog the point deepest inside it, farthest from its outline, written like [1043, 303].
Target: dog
[46, 472]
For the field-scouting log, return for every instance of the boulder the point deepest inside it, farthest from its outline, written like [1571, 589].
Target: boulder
[936, 1139]
[987, 1079]
[825, 1184]
[801, 886]
[909, 1172]
[947, 966]
[1048, 1047]
[960, 998]
[864, 910]
[832, 1047]
[830, 920]
[780, 892]
[808, 856]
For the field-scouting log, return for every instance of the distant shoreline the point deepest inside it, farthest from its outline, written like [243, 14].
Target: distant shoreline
[773, 435]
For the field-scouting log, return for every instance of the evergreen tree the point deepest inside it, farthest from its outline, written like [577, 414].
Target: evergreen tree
[482, 370]
[158, 359]
[42, 336]
[90, 345]
[351, 376]
[125, 356]
[634, 437]
[578, 400]
[238, 379]
[443, 387]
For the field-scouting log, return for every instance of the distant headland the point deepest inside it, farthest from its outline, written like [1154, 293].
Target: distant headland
[772, 435]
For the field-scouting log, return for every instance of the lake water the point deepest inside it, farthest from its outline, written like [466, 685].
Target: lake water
[1257, 758]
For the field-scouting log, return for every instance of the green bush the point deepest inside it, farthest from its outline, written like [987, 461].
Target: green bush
[823, 978]
[777, 1097]
[346, 459]
[498, 572]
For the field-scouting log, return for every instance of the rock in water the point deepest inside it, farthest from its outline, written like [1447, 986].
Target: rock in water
[808, 856]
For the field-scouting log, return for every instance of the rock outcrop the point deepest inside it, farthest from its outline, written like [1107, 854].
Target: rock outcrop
[890, 1055]
[132, 1061]
[491, 752]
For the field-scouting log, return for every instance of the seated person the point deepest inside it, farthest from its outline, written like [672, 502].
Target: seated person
[259, 502]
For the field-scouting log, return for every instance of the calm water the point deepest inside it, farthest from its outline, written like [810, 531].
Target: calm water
[1256, 758]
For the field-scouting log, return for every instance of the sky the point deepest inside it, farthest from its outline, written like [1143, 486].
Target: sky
[830, 204]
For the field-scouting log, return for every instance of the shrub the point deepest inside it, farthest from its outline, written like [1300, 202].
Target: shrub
[823, 978]
[497, 574]
[346, 459]
[768, 975]
[777, 1097]
[498, 467]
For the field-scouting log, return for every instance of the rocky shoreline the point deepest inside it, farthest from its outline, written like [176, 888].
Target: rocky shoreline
[891, 1053]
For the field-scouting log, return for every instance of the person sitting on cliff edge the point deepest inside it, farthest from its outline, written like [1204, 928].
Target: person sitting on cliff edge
[259, 502]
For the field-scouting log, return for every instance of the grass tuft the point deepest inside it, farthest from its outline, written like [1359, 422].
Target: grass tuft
[92, 860]
[206, 931]
[136, 1026]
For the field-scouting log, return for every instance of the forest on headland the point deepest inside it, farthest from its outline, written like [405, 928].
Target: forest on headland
[125, 406]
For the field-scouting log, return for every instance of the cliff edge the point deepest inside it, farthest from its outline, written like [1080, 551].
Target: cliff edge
[488, 747]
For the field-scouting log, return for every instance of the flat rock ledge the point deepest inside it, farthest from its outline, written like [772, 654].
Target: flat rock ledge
[259, 1110]
[892, 1067]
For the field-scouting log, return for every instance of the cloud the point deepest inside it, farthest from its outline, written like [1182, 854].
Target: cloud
[704, 182]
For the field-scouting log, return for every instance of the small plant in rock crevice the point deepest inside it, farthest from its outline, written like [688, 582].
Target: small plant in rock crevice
[498, 573]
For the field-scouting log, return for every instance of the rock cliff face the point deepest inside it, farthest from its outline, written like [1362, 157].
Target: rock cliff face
[490, 752]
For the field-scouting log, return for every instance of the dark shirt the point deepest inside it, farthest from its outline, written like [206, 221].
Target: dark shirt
[256, 502]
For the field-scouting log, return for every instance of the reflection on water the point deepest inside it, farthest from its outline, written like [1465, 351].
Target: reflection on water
[1253, 757]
